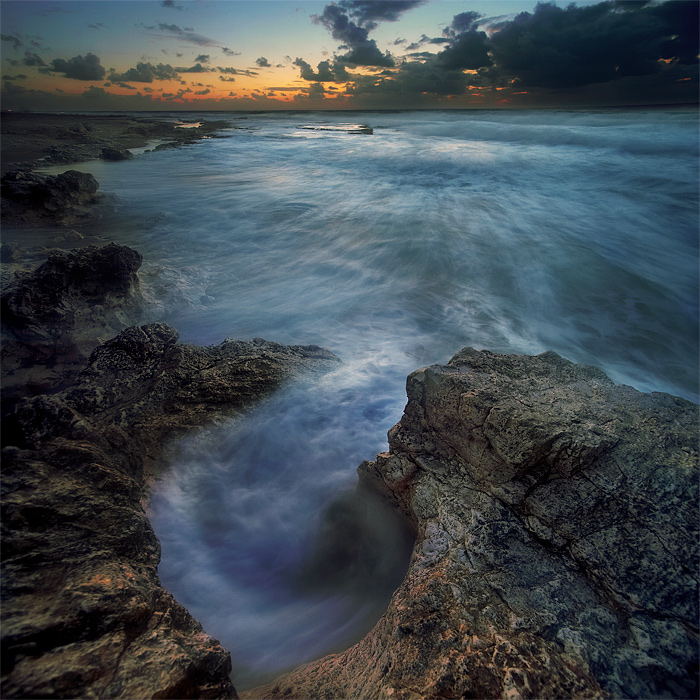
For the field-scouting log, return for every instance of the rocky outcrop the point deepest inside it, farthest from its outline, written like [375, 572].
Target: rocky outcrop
[63, 199]
[84, 614]
[54, 315]
[556, 553]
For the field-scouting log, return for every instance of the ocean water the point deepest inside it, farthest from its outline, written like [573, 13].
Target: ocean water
[515, 232]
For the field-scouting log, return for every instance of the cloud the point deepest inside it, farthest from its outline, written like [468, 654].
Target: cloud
[227, 80]
[229, 52]
[197, 68]
[171, 4]
[202, 58]
[32, 59]
[95, 93]
[262, 62]
[15, 41]
[370, 11]
[186, 34]
[337, 72]
[469, 47]
[19, 76]
[363, 51]
[97, 25]
[236, 71]
[146, 73]
[206, 91]
[313, 91]
[566, 48]
[79, 67]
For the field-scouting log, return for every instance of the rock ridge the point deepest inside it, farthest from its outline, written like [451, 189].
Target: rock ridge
[557, 541]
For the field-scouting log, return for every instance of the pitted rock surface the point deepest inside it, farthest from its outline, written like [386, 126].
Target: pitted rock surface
[557, 541]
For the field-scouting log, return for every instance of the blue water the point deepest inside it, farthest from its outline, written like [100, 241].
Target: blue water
[513, 231]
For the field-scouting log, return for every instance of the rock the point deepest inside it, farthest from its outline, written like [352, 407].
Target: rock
[116, 154]
[63, 199]
[84, 614]
[55, 314]
[556, 541]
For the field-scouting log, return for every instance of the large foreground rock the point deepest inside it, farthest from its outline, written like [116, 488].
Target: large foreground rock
[83, 612]
[557, 541]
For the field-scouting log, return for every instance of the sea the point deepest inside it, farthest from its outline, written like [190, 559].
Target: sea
[512, 231]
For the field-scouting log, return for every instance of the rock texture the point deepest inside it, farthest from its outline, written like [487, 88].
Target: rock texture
[63, 199]
[556, 553]
[53, 315]
[84, 614]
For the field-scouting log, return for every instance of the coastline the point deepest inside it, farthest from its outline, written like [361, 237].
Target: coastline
[462, 606]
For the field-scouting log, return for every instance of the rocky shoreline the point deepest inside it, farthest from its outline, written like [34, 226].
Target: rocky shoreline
[555, 513]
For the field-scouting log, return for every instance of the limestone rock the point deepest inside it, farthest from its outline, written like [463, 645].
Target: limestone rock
[84, 614]
[557, 541]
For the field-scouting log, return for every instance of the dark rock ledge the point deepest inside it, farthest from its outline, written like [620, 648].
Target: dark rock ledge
[557, 541]
[83, 612]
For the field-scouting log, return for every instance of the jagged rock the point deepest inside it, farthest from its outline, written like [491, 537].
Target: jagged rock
[116, 154]
[556, 553]
[62, 199]
[54, 315]
[84, 614]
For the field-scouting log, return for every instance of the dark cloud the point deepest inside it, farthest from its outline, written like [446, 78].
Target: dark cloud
[15, 41]
[79, 67]
[202, 58]
[316, 90]
[370, 11]
[171, 4]
[31, 59]
[468, 47]
[206, 91]
[196, 68]
[236, 71]
[186, 34]
[326, 72]
[97, 25]
[126, 85]
[428, 76]
[227, 80]
[95, 93]
[262, 62]
[566, 48]
[19, 76]
[363, 51]
[146, 73]
[229, 52]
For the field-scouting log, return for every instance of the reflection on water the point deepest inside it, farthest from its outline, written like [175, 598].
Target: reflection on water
[517, 232]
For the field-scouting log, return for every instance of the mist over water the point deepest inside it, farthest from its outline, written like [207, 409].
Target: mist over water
[512, 231]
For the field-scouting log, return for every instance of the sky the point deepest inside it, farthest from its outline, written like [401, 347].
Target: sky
[82, 55]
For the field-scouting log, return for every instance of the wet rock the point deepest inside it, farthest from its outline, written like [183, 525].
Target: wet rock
[54, 315]
[116, 154]
[84, 614]
[556, 541]
[63, 199]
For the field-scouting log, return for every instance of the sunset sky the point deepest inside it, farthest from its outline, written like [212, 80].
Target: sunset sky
[351, 54]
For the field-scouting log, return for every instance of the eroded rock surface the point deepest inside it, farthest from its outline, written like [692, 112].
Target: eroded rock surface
[557, 541]
[54, 314]
[84, 614]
